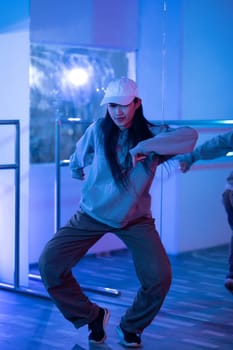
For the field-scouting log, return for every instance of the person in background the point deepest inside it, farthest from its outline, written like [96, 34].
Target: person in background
[122, 151]
[216, 147]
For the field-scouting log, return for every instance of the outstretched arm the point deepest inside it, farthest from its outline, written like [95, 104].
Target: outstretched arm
[216, 147]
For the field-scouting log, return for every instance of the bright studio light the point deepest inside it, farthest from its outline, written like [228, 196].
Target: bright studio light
[77, 76]
[228, 121]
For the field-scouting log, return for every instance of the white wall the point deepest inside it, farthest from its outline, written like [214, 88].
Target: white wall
[207, 75]
[88, 23]
[184, 71]
[193, 214]
[159, 60]
[14, 92]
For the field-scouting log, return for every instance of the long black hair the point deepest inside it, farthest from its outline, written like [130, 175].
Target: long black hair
[138, 131]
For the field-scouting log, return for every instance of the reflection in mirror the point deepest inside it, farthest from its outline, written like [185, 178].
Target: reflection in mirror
[68, 82]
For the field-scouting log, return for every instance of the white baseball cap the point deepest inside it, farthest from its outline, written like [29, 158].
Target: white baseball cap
[120, 91]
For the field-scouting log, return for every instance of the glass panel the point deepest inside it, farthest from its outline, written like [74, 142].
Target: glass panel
[7, 144]
[7, 226]
[68, 82]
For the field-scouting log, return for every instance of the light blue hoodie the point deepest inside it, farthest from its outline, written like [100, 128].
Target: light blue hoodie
[101, 198]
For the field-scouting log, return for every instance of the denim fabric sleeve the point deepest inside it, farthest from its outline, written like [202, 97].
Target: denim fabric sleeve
[216, 147]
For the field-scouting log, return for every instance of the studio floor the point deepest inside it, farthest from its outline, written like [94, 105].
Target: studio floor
[197, 313]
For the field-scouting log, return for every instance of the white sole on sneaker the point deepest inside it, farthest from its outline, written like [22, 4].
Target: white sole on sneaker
[122, 340]
[106, 317]
[105, 322]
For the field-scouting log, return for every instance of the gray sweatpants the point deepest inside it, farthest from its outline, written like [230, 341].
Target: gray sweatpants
[72, 242]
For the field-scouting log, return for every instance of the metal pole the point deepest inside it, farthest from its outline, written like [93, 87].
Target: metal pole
[17, 206]
[58, 176]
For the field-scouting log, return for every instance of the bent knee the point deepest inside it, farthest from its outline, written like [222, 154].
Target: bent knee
[48, 267]
[43, 260]
[166, 279]
[161, 280]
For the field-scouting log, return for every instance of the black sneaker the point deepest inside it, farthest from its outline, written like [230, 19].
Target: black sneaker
[229, 284]
[97, 334]
[130, 340]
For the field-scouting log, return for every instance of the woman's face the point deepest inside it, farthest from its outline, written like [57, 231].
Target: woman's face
[121, 115]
